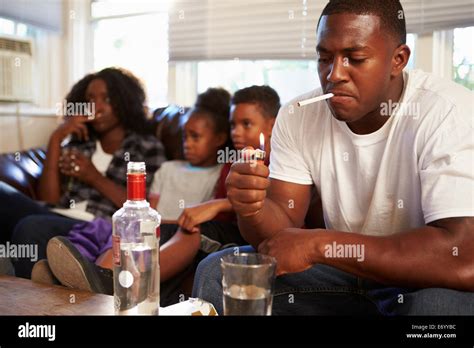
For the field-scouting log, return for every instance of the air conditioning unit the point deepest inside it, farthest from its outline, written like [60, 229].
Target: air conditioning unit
[16, 66]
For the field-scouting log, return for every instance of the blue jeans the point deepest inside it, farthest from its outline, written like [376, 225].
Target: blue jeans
[14, 206]
[26, 221]
[325, 290]
[38, 230]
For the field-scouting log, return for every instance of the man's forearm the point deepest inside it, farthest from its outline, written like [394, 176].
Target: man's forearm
[423, 257]
[268, 221]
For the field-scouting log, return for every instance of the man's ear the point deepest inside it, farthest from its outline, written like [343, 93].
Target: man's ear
[400, 59]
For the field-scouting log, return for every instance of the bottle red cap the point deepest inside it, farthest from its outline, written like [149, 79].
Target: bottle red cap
[136, 181]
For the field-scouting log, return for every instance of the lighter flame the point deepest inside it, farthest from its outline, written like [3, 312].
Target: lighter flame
[262, 142]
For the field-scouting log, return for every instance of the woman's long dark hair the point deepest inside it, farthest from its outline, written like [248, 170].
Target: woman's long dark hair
[126, 95]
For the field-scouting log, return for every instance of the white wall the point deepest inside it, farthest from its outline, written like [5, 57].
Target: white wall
[30, 129]
[61, 59]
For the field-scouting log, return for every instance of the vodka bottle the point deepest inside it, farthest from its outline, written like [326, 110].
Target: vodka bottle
[136, 249]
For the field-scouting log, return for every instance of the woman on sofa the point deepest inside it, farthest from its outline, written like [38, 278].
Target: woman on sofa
[85, 178]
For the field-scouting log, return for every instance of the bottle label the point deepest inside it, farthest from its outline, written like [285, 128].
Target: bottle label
[116, 250]
[147, 227]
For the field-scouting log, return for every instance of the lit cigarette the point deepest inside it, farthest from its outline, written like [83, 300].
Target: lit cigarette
[315, 99]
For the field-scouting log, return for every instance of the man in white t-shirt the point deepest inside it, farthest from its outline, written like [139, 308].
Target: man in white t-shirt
[391, 157]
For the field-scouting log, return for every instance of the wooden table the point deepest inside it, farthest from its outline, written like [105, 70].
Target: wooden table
[23, 297]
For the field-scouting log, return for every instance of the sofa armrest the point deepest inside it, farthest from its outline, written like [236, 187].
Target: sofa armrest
[22, 169]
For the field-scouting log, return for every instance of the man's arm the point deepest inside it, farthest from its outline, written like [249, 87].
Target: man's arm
[264, 206]
[315, 216]
[440, 254]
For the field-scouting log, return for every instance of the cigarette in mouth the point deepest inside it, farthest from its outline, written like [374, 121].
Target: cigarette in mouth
[315, 99]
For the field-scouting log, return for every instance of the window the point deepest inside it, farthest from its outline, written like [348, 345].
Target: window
[7, 26]
[134, 36]
[411, 42]
[10, 27]
[463, 57]
[289, 78]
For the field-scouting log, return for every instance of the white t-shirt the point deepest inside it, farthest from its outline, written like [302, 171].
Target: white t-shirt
[181, 185]
[100, 159]
[416, 169]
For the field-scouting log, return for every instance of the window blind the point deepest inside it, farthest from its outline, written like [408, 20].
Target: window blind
[279, 29]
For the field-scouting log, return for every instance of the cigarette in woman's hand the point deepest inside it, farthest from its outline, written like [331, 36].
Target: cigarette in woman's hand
[315, 99]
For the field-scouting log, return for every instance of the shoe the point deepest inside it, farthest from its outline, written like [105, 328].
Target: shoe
[74, 270]
[42, 273]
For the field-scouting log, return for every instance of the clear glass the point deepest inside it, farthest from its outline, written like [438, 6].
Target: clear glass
[136, 245]
[247, 281]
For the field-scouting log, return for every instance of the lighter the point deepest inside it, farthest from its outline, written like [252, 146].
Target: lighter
[260, 153]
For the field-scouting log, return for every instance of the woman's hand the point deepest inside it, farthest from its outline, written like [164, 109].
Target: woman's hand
[49, 186]
[72, 125]
[76, 165]
[193, 216]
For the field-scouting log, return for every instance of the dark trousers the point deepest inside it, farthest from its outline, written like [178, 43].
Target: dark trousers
[25, 221]
[325, 290]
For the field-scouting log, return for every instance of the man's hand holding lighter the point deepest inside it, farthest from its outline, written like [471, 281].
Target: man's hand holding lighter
[247, 184]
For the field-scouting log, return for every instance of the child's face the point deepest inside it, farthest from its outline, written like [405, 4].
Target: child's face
[200, 141]
[246, 124]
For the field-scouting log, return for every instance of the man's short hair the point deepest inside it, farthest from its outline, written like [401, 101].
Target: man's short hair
[265, 97]
[390, 12]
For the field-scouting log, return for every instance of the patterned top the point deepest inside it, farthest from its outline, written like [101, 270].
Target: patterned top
[135, 147]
